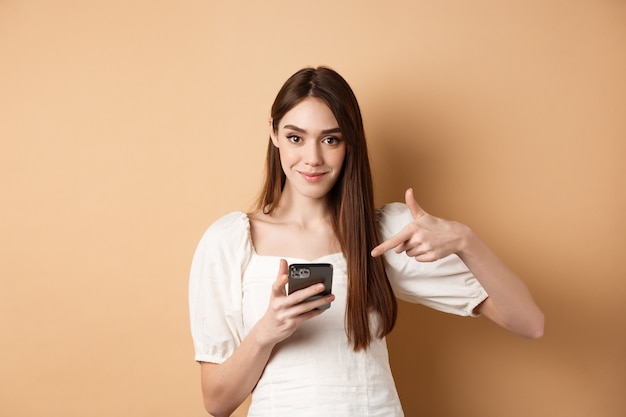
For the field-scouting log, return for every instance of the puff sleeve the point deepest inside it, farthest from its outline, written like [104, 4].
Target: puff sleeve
[215, 288]
[446, 285]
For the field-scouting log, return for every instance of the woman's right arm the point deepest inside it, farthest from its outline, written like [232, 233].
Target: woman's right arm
[225, 386]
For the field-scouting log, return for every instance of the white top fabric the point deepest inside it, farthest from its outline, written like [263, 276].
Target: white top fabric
[315, 372]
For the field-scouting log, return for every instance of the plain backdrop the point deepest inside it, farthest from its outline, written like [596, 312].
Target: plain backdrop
[127, 127]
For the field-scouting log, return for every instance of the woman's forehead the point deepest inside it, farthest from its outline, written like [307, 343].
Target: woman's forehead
[310, 114]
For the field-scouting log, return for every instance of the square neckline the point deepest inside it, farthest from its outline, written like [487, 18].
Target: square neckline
[295, 258]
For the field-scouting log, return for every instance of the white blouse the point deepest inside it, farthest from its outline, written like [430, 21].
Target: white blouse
[315, 372]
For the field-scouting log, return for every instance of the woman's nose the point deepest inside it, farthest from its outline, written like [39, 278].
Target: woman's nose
[313, 154]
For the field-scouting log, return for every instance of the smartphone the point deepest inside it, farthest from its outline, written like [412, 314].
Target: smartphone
[307, 274]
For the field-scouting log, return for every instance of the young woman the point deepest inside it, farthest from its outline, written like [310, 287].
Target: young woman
[317, 205]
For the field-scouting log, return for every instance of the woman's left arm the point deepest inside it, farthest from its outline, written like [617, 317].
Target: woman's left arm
[428, 238]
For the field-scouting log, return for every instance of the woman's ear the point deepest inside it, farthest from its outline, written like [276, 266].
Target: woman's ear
[273, 136]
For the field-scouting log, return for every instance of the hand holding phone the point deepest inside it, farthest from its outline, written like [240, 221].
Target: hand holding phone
[303, 275]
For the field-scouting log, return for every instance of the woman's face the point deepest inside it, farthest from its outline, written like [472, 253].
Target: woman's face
[311, 148]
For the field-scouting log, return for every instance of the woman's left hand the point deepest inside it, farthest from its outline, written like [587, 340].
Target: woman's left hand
[427, 238]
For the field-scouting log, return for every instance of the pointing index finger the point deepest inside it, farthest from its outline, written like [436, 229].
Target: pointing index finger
[390, 243]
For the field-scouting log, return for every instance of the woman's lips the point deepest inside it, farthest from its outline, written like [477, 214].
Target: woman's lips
[313, 176]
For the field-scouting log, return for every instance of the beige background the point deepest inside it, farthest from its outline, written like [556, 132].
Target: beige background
[127, 127]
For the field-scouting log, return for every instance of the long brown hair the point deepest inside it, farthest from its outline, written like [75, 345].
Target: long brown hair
[351, 200]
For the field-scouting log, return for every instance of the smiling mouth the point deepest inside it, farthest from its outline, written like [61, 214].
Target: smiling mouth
[313, 176]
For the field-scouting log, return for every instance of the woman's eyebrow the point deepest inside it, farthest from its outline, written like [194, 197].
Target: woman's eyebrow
[299, 129]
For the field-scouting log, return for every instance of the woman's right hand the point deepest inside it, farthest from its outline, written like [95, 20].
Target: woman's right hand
[225, 386]
[285, 312]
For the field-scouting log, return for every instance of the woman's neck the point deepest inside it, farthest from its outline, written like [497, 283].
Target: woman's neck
[302, 211]
[299, 228]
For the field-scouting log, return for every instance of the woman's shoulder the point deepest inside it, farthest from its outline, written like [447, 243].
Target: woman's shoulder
[394, 208]
[230, 221]
[392, 212]
[230, 229]
[392, 217]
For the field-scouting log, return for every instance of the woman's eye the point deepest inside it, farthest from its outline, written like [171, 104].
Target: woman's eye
[294, 139]
[331, 140]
